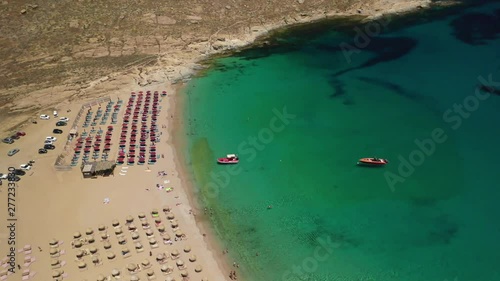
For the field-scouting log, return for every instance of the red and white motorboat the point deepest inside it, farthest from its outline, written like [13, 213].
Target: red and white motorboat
[372, 162]
[229, 159]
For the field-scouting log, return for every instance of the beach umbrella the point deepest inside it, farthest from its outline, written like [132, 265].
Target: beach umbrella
[184, 273]
[101, 277]
[110, 255]
[93, 250]
[54, 262]
[192, 258]
[106, 245]
[160, 257]
[115, 272]
[175, 253]
[118, 231]
[166, 236]
[170, 216]
[53, 251]
[187, 249]
[121, 240]
[135, 236]
[90, 238]
[132, 226]
[101, 227]
[77, 235]
[89, 231]
[142, 215]
[166, 209]
[179, 263]
[53, 242]
[138, 245]
[169, 278]
[157, 220]
[104, 236]
[131, 267]
[204, 279]
[125, 250]
[145, 263]
[77, 244]
[82, 264]
[134, 278]
[174, 224]
[150, 272]
[115, 222]
[198, 268]
[95, 259]
[56, 273]
[79, 253]
[161, 228]
[145, 223]
[152, 241]
[149, 232]
[129, 219]
[179, 233]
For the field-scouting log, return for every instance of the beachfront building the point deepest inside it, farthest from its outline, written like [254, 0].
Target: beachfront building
[98, 168]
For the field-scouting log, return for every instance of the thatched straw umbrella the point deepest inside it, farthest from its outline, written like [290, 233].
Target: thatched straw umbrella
[104, 235]
[56, 273]
[90, 238]
[145, 223]
[187, 249]
[82, 264]
[192, 258]
[77, 235]
[150, 272]
[122, 240]
[175, 253]
[95, 259]
[161, 228]
[170, 216]
[77, 244]
[101, 277]
[138, 246]
[134, 278]
[53, 252]
[53, 242]
[146, 263]
[131, 267]
[132, 226]
[142, 215]
[106, 245]
[93, 250]
[89, 231]
[135, 236]
[79, 253]
[179, 233]
[152, 241]
[179, 263]
[101, 227]
[166, 236]
[118, 231]
[157, 221]
[125, 250]
[160, 257]
[129, 219]
[166, 209]
[54, 262]
[184, 273]
[174, 224]
[115, 272]
[115, 223]
[198, 268]
[170, 278]
[110, 255]
[149, 232]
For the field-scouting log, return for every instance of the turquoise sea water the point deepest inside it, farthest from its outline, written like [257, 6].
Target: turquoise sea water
[301, 111]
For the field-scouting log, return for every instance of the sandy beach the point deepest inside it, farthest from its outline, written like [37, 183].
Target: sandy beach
[52, 204]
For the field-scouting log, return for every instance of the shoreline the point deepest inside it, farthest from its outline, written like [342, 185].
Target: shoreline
[156, 77]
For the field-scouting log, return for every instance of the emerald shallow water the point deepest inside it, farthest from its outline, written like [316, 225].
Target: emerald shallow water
[300, 114]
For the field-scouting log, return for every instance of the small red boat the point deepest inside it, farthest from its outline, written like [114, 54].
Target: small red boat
[372, 161]
[229, 159]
